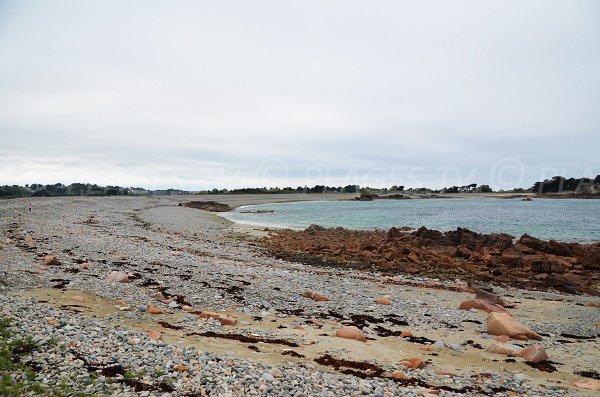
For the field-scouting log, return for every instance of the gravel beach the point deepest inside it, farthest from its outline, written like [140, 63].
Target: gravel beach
[140, 296]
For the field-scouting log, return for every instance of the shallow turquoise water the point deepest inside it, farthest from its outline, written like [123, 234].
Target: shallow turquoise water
[564, 220]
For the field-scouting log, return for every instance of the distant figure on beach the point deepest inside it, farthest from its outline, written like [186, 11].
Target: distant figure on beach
[29, 207]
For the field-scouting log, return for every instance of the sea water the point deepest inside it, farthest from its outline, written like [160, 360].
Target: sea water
[559, 219]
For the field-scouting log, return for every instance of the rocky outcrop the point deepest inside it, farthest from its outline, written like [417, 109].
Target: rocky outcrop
[372, 196]
[211, 206]
[498, 258]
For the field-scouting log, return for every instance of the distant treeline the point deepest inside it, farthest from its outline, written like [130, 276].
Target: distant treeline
[472, 188]
[87, 189]
[277, 190]
[556, 184]
[560, 184]
[58, 189]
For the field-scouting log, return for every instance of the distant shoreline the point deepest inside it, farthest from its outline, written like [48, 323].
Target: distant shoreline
[343, 196]
[566, 195]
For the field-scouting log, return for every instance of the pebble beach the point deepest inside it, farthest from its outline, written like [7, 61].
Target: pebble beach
[139, 296]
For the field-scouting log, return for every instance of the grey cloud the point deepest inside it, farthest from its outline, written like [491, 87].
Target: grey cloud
[195, 94]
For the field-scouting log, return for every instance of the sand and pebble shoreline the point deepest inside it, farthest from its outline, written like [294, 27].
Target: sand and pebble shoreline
[183, 261]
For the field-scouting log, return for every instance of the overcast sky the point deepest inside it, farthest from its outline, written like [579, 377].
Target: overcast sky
[199, 94]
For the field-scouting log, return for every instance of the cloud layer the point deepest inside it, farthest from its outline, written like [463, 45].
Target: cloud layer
[227, 94]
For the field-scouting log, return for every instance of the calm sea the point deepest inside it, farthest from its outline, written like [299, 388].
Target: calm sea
[563, 220]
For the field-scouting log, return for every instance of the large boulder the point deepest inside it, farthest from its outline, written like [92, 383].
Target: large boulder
[591, 259]
[351, 332]
[385, 300]
[532, 242]
[560, 249]
[589, 384]
[153, 310]
[534, 354]
[482, 305]
[523, 249]
[393, 233]
[51, 261]
[493, 298]
[315, 296]
[413, 363]
[315, 229]
[504, 324]
[117, 277]
[535, 263]
[225, 319]
[562, 283]
[463, 251]
[510, 258]
[502, 348]
[153, 334]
